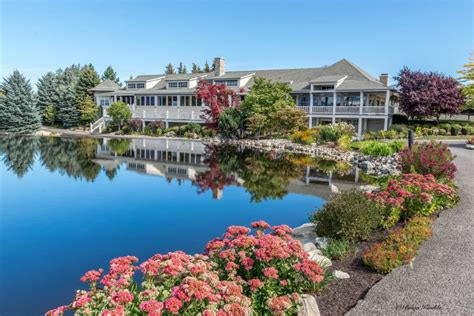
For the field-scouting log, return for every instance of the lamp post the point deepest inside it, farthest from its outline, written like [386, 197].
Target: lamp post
[410, 138]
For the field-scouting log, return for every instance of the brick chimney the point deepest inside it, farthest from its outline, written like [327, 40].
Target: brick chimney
[383, 78]
[219, 66]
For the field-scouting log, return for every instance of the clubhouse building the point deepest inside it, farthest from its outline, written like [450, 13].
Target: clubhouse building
[338, 92]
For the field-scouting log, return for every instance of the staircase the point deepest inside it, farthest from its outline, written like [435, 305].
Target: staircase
[97, 126]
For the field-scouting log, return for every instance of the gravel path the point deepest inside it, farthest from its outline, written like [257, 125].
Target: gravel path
[441, 279]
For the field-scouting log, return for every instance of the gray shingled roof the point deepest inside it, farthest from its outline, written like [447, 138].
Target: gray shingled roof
[298, 78]
[142, 78]
[106, 85]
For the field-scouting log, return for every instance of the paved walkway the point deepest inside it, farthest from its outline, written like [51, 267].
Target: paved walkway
[441, 279]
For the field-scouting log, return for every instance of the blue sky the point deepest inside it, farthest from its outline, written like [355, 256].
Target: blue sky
[141, 37]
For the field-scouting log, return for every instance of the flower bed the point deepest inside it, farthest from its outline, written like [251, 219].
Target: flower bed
[239, 274]
[413, 194]
[428, 158]
[400, 246]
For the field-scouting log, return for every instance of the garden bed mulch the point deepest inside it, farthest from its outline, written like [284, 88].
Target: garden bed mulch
[342, 294]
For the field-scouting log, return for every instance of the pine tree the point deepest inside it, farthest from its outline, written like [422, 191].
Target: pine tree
[49, 114]
[47, 92]
[181, 68]
[170, 70]
[88, 109]
[110, 74]
[18, 110]
[207, 68]
[185, 70]
[88, 79]
[68, 111]
[196, 69]
[18, 153]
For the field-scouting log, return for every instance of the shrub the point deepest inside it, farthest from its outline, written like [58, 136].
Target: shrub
[350, 215]
[465, 130]
[399, 247]
[240, 274]
[442, 132]
[305, 137]
[428, 158]
[344, 141]
[155, 126]
[231, 123]
[332, 132]
[399, 128]
[413, 194]
[446, 126]
[135, 125]
[456, 129]
[375, 148]
[337, 249]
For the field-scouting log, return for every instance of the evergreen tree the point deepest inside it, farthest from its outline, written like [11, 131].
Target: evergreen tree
[181, 68]
[88, 79]
[170, 70]
[185, 70]
[47, 93]
[50, 115]
[88, 110]
[68, 111]
[110, 74]
[18, 110]
[207, 68]
[196, 69]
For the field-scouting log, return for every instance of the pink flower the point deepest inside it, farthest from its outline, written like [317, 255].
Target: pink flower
[173, 305]
[270, 273]
[282, 229]
[247, 263]
[58, 311]
[260, 224]
[283, 282]
[231, 266]
[280, 304]
[151, 306]
[92, 275]
[123, 297]
[254, 284]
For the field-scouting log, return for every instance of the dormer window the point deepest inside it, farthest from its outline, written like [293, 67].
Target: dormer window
[140, 86]
[177, 84]
[320, 87]
[132, 86]
[136, 85]
[228, 83]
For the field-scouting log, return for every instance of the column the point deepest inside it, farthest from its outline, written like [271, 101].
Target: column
[359, 128]
[387, 100]
[334, 102]
[310, 108]
[361, 102]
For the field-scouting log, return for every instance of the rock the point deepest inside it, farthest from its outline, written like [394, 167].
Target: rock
[309, 246]
[369, 188]
[321, 242]
[340, 274]
[304, 229]
[334, 189]
[323, 261]
[367, 165]
[308, 307]
[170, 134]
[315, 251]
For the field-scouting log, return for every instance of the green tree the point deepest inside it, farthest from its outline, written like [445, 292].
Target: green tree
[47, 93]
[287, 120]
[68, 110]
[170, 70]
[88, 79]
[88, 110]
[110, 74]
[266, 97]
[196, 69]
[256, 124]
[18, 107]
[182, 69]
[119, 146]
[231, 123]
[49, 115]
[120, 113]
[467, 77]
[207, 68]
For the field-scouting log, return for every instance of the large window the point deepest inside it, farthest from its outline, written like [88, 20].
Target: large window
[322, 100]
[132, 86]
[348, 99]
[228, 83]
[177, 84]
[323, 87]
[148, 100]
[140, 86]
[104, 102]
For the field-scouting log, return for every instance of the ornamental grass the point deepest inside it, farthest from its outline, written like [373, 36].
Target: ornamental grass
[239, 274]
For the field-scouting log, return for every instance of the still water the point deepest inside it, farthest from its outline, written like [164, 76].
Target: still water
[68, 205]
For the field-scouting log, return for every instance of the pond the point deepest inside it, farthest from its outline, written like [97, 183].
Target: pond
[69, 205]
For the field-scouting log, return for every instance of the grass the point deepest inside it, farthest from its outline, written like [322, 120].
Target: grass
[337, 249]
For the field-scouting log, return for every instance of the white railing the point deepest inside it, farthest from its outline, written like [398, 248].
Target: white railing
[322, 109]
[345, 109]
[99, 124]
[303, 108]
[373, 110]
[348, 109]
[178, 113]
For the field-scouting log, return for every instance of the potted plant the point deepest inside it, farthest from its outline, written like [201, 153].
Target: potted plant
[470, 143]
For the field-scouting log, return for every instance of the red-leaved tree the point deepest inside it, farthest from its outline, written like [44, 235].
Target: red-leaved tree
[216, 98]
[425, 94]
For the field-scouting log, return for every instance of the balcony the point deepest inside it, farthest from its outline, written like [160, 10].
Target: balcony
[353, 110]
[169, 113]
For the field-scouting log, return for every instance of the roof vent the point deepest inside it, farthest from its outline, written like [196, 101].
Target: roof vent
[219, 66]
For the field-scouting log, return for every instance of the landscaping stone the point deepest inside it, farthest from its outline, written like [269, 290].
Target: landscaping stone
[321, 242]
[369, 188]
[309, 306]
[309, 246]
[304, 230]
[323, 261]
[340, 274]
